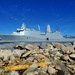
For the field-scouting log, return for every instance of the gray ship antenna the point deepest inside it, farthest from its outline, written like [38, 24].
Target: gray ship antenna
[48, 28]
[23, 26]
[38, 27]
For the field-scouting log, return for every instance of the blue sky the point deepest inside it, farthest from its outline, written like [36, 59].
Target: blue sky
[60, 14]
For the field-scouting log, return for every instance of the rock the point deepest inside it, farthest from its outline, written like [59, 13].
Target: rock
[43, 45]
[72, 55]
[64, 48]
[49, 46]
[1, 64]
[31, 47]
[60, 72]
[13, 73]
[30, 69]
[32, 73]
[23, 62]
[59, 54]
[5, 54]
[53, 52]
[44, 68]
[30, 60]
[65, 57]
[57, 68]
[62, 66]
[57, 45]
[18, 60]
[43, 73]
[12, 58]
[1, 71]
[18, 52]
[41, 56]
[68, 44]
[51, 70]
[26, 54]
[19, 47]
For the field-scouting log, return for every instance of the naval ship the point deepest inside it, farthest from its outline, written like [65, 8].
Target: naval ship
[31, 35]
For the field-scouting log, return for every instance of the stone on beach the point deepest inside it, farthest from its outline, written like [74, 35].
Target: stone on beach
[53, 58]
[31, 47]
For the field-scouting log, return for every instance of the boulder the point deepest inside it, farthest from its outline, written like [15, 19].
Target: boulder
[18, 52]
[26, 54]
[65, 57]
[31, 47]
[5, 54]
[51, 70]
[72, 55]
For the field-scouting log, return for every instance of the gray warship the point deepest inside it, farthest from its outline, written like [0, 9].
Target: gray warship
[31, 35]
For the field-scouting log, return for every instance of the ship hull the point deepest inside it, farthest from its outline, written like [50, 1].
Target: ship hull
[22, 38]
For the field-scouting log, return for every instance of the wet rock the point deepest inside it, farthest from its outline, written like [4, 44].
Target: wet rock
[51, 70]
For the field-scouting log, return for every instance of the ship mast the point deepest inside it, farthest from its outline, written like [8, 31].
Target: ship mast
[23, 26]
[38, 27]
[48, 28]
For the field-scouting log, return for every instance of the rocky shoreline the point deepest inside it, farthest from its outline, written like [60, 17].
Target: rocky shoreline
[32, 59]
